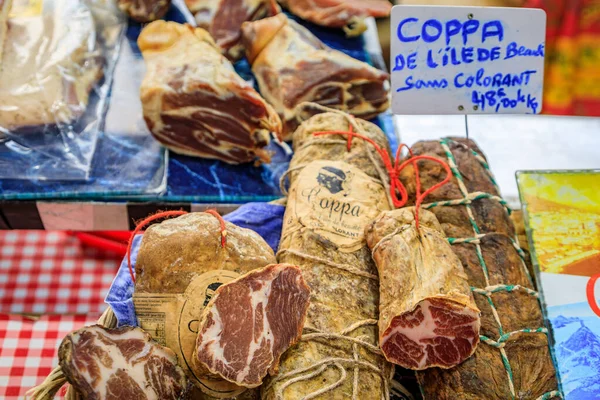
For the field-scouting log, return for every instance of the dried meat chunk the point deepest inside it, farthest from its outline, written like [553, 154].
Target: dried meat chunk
[195, 103]
[293, 66]
[514, 361]
[176, 251]
[120, 363]
[435, 323]
[144, 10]
[323, 233]
[339, 13]
[250, 322]
[223, 19]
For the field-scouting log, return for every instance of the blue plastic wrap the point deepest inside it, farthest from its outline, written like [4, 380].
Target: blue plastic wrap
[57, 67]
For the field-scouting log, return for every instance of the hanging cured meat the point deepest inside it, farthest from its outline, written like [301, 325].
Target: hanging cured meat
[195, 103]
[144, 10]
[348, 14]
[513, 360]
[121, 363]
[223, 19]
[427, 315]
[334, 193]
[250, 322]
[293, 66]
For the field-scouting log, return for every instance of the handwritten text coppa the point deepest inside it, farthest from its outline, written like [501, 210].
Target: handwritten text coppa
[470, 46]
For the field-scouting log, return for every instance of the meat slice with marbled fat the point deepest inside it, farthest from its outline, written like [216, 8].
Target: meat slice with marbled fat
[195, 103]
[118, 364]
[250, 322]
[438, 332]
[428, 317]
[292, 66]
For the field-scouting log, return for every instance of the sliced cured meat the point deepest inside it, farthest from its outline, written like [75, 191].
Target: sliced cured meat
[293, 66]
[118, 364]
[144, 10]
[195, 103]
[339, 13]
[427, 314]
[223, 19]
[251, 322]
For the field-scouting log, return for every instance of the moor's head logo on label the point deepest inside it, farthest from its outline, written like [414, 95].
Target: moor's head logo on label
[210, 292]
[334, 180]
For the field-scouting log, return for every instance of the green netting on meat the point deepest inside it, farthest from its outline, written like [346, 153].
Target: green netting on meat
[466, 201]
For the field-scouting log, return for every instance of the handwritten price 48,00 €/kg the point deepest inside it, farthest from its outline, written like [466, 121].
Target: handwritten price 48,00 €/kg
[498, 99]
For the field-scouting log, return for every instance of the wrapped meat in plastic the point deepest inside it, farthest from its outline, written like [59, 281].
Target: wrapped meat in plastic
[223, 19]
[180, 265]
[348, 14]
[513, 359]
[250, 322]
[293, 66]
[427, 315]
[121, 363]
[49, 65]
[195, 103]
[334, 193]
[145, 10]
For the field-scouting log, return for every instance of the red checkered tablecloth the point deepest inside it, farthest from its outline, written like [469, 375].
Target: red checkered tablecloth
[49, 274]
[28, 349]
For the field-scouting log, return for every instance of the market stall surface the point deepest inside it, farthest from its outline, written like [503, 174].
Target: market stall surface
[49, 286]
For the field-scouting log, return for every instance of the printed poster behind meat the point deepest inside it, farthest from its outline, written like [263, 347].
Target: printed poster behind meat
[563, 224]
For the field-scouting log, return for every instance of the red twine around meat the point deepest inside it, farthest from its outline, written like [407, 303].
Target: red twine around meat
[223, 228]
[396, 186]
[168, 214]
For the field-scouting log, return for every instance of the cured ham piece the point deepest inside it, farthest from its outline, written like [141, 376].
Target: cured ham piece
[348, 14]
[250, 322]
[118, 364]
[144, 10]
[223, 19]
[293, 66]
[195, 103]
[427, 314]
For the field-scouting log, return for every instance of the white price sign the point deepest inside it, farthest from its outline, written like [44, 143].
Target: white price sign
[467, 60]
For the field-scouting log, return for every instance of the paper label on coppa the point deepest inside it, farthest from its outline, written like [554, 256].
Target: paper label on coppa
[172, 320]
[337, 200]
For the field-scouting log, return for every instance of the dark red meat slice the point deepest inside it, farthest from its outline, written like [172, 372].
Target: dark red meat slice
[251, 322]
[437, 333]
